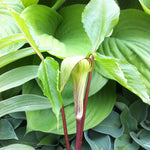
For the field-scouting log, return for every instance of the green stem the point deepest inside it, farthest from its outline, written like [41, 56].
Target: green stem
[58, 4]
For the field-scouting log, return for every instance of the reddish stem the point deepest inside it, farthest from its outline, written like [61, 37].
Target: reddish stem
[65, 128]
[80, 122]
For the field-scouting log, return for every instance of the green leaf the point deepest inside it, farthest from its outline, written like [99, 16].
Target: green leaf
[122, 72]
[13, 56]
[97, 141]
[17, 146]
[27, 102]
[67, 66]
[146, 5]
[130, 42]
[6, 130]
[17, 76]
[111, 125]
[139, 111]
[128, 121]
[99, 18]
[142, 138]
[94, 115]
[8, 29]
[14, 38]
[49, 75]
[27, 3]
[124, 142]
[68, 40]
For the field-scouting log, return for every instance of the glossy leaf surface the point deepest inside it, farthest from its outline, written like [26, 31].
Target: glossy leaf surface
[17, 146]
[99, 17]
[27, 3]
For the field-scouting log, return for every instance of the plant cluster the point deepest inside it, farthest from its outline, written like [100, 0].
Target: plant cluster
[73, 66]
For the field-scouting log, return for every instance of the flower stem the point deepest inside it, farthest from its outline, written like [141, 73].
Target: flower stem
[65, 128]
[80, 122]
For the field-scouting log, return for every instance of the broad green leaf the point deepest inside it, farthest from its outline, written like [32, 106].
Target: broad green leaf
[99, 107]
[67, 66]
[139, 111]
[13, 56]
[111, 125]
[8, 28]
[142, 138]
[68, 40]
[99, 18]
[97, 141]
[17, 76]
[49, 75]
[27, 31]
[130, 42]
[146, 5]
[122, 72]
[124, 143]
[6, 130]
[27, 102]
[14, 38]
[27, 3]
[17, 146]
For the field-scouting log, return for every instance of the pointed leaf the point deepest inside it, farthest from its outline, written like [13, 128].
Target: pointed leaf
[99, 18]
[146, 5]
[27, 102]
[17, 76]
[49, 75]
[122, 72]
[130, 42]
[6, 130]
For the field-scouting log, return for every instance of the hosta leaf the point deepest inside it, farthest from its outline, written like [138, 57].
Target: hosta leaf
[6, 130]
[27, 3]
[69, 39]
[124, 142]
[11, 40]
[13, 56]
[142, 138]
[99, 17]
[27, 102]
[49, 75]
[130, 42]
[17, 146]
[97, 141]
[111, 125]
[17, 76]
[99, 106]
[122, 72]
[146, 5]
[8, 28]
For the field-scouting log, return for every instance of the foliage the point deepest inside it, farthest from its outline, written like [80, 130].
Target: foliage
[47, 49]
